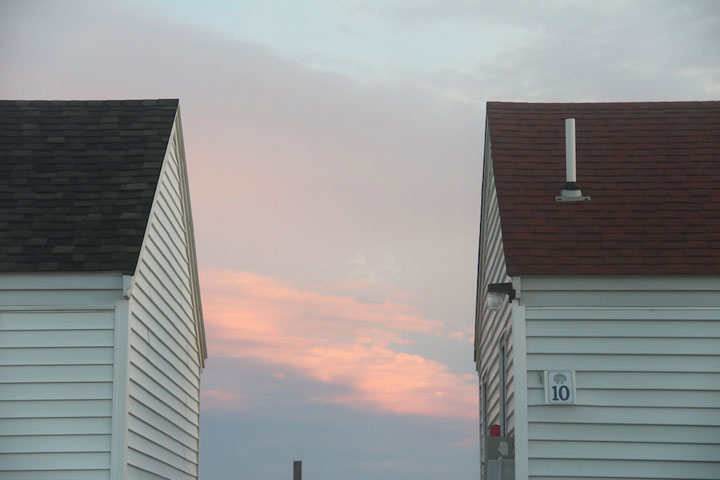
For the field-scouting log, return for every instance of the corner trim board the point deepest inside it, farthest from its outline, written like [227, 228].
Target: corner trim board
[521, 391]
[121, 358]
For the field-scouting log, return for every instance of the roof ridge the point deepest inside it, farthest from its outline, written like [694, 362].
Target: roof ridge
[170, 102]
[627, 103]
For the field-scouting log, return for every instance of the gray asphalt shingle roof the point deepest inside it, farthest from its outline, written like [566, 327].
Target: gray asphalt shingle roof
[77, 180]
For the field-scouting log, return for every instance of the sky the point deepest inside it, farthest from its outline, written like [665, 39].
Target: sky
[334, 152]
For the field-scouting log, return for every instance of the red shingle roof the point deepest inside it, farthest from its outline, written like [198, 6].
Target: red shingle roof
[652, 170]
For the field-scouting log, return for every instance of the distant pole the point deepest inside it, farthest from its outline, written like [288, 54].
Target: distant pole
[297, 470]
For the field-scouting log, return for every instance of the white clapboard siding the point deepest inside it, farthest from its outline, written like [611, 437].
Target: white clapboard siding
[56, 374]
[101, 474]
[163, 429]
[631, 433]
[56, 391]
[59, 461]
[493, 329]
[54, 443]
[66, 355]
[55, 426]
[634, 469]
[164, 357]
[646, 352]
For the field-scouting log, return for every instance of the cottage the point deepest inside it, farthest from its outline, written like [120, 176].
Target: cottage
[598, 308]
[101, 329]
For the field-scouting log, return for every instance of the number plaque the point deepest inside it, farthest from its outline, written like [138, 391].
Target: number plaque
[559, 387]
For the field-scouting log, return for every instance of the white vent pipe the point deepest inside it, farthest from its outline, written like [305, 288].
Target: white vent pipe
[571, 191]
[571, 171]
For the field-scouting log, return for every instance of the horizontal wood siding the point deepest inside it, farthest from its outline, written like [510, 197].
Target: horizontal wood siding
[646, 352]
[164, 368]
[56, 375]
[493, 329]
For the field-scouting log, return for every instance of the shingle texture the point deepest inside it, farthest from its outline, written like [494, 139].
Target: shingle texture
[77, 180]
[652, 170]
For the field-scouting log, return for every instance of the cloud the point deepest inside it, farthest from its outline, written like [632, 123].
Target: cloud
[222, 400]
[334, 441]
[379, 272]
[293, 172]
[467, 335]
[297, 174]
[645, 50]
[334, 339]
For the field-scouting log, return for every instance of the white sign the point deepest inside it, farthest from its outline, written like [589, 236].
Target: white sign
[559, 387]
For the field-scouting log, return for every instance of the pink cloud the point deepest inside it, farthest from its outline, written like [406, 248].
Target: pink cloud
[222, 400]
[335, 339]
[467, 335]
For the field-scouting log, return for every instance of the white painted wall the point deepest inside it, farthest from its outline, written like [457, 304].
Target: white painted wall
[646, 351]
[165, 356]
[56, 374]
[493, 329]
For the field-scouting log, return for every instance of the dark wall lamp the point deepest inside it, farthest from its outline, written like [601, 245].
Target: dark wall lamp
[496, 292]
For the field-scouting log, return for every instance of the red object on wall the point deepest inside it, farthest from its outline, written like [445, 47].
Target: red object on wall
[494, 430]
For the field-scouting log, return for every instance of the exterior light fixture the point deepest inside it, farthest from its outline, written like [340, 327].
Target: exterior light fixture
[495, 294]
